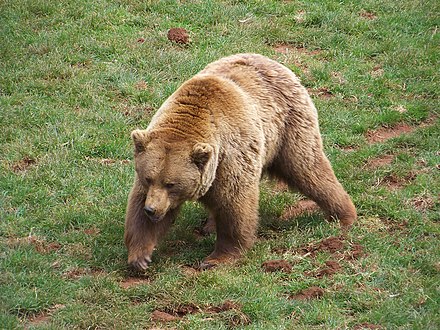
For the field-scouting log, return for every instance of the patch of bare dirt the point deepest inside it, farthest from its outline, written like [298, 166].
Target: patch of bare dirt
[385, 133]
[393, 226]
[176, 313]
[356, 252]
[368, 15]
[140, 40]
[377, 71]
[178, 35]
[42, 317]
[394, 182]
[92, 231]
[40, 244]
[159, 316]
[380, 161]
[337, 247]
[423, 203]
[23, 164]
[277, 266]
[189, 270]
[303, 207]
[331, 267]
[321, 92]
[331, 244]
[131, 282]
[313, 292]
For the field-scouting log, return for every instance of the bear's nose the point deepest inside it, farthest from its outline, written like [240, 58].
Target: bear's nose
[149, 211]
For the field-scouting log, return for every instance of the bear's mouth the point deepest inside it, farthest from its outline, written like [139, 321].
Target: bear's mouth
[155, 218]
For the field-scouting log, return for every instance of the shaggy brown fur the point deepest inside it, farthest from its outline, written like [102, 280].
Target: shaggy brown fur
[213, 139]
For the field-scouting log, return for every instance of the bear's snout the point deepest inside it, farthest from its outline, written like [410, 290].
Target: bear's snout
[151, 213]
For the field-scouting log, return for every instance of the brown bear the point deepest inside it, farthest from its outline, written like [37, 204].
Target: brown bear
[212, 140]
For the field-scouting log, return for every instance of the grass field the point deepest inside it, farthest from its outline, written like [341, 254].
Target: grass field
[76, 77]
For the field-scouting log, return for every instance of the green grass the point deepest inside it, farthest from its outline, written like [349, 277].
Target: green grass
[75, 80]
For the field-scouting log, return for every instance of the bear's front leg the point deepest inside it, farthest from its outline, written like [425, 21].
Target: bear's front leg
[236, 219]
[141, 234]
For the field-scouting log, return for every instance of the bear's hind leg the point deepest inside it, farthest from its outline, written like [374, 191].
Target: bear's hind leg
[312, 174]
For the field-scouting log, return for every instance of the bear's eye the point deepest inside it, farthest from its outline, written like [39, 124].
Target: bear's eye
[169, 185]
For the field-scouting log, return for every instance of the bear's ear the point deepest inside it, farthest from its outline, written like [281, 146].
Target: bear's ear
[140, 140]
[201, 154]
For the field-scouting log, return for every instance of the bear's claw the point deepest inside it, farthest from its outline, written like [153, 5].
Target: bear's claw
[141, 264]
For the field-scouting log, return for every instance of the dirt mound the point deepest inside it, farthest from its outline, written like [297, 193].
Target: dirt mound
[277, 266]
[178, 35]
[310, 293]
[331, 244]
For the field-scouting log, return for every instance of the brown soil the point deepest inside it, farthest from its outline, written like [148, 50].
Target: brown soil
[226, 306]
[42, 317]
[37, 319]
[78, 272]
[331, 244]
[176, 313]
[377, 71]
[394, 182]
[337, 247]
[40, 245]
[368, 15]
[380, 161]
[277, 266]
[385, 133]
[91, 231]
[178, 35]
[130, 282]
[23, 164]
[141, 40]
[357, 251]
[423, 203]
[189, 270]
[303, 207]
[309, 293]
[331, 268]
[75, 273]
[159, 316]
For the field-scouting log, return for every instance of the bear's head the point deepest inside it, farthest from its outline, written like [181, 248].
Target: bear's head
[172, 172]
